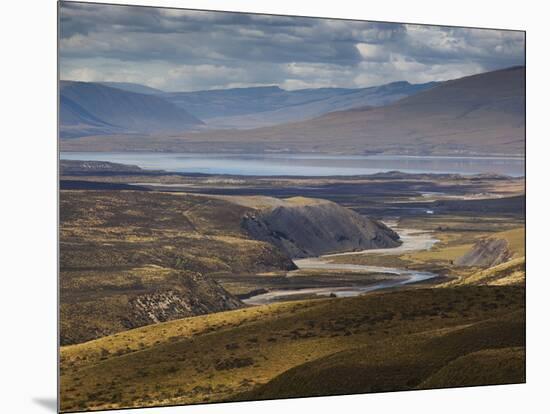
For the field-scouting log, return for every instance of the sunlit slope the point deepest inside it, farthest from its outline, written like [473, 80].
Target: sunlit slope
[233, 354]
[486, 367]
[509, 273]
[131, 258]
[449, 252]
[408, 363]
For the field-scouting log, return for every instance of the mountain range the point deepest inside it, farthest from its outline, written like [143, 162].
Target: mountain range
[264, 106]
[133, 87]
[478, 114]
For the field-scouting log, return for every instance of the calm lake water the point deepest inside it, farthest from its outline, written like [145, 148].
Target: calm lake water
[306, 164]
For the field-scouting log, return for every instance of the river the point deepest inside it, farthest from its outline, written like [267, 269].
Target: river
[413, 240]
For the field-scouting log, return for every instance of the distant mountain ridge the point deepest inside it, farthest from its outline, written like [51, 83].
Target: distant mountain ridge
[88, 108]
[133, 87]
[252, 107]
[475, 115]
[478, 114]
[270, 105]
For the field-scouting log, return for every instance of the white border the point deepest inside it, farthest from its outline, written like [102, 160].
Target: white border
[29, 204]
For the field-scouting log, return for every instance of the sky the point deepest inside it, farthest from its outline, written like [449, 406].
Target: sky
[187, 50]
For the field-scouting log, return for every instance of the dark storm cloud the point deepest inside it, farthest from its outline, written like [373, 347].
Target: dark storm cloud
[179, 49]
[135, 33]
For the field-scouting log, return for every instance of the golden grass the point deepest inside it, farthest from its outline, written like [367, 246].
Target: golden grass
[220, 356]
[511, 272]
[447, 250]
[409, 363]
[515, 239]
[485, 367]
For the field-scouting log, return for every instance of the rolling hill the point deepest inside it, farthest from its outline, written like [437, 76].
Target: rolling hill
[134, 258]
[95, 109]
[303, 227]
[403, 340]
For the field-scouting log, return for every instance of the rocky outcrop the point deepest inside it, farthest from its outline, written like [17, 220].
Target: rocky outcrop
[196, 295]
[486, 253]
[178, 295]
[303, 227]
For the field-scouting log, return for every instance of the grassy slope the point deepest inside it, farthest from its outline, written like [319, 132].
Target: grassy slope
[231, 355]
[489, 366]
[456, 237]
[106, 229]
[508, 273]
[451, 248]
[405, 364]
[118, 247]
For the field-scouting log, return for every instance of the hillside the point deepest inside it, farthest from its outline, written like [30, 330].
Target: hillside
[95, 109]
[386, 341]
[133, 258]
[304, 227]
[467, 115]
[413, 362]
[486, 252]
[479, 114]
[100, 302]
[511, 272]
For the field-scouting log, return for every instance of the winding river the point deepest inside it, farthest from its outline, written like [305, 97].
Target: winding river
[413, 240]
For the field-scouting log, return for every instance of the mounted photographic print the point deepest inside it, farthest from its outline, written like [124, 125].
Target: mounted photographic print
[259, 206]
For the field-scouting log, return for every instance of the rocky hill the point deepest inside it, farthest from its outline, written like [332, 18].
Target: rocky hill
[129, 299]
[304, 227]
[486, 253]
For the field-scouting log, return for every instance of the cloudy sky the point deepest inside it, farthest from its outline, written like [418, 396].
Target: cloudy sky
[182, 50]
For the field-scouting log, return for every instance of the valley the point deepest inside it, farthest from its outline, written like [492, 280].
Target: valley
[259, 206]
[169, 297]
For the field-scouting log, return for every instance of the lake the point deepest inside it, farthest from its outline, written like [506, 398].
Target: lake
[306, 164]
